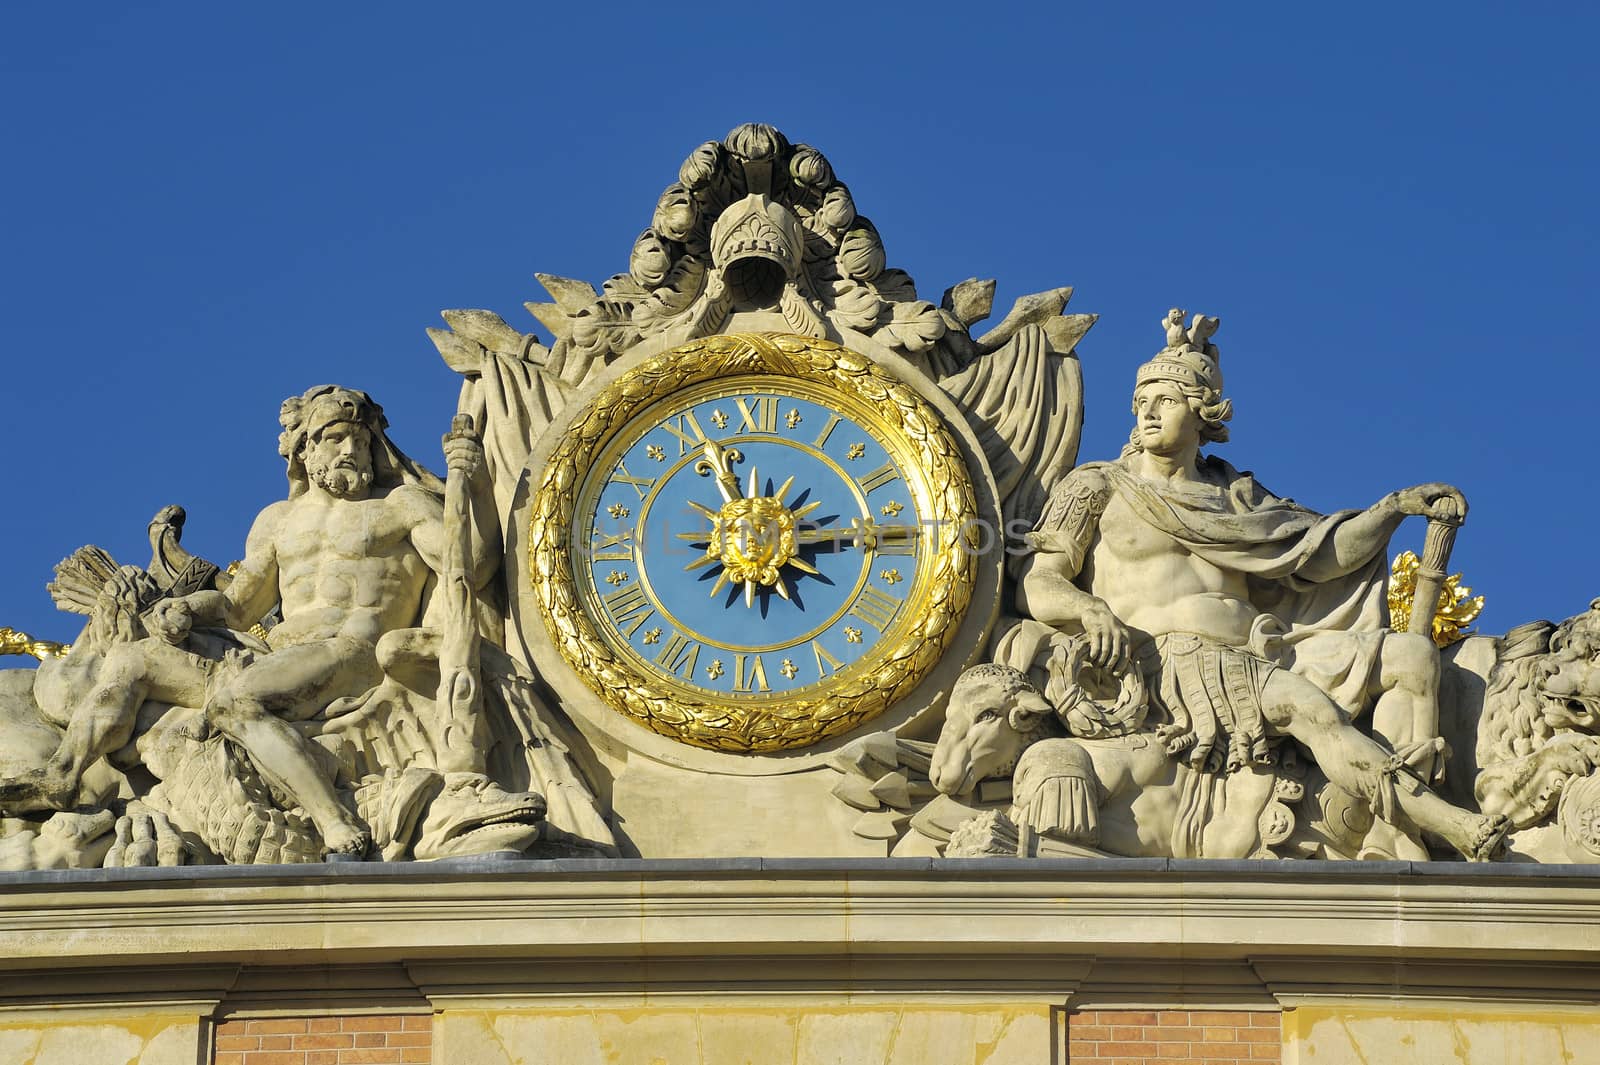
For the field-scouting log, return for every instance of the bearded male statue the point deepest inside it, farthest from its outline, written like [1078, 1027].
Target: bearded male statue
[1250, 617]
[347, 559]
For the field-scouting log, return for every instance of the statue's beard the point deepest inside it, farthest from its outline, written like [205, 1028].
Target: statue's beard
[341, 480]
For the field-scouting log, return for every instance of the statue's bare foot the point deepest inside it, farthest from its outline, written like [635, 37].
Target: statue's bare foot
[347, 838]
[1488, 838]
[38, 789]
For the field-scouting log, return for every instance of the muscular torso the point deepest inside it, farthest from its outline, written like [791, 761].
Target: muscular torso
[1155, 585]
[348, 568]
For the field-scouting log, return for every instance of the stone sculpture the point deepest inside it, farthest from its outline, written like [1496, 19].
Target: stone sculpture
[1121, 794]
[1172, 662]
[1250, 618]
[1537, 753]
[759, 233]
[360, 717]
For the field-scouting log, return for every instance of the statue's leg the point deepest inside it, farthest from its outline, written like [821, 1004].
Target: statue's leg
[129, 674]
[1407, 710]
[1363, 767]
[411, 656]
[297, 682]
[104, 720]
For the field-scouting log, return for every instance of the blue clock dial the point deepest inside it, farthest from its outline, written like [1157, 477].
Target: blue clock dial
[750, 538]
[753, 542]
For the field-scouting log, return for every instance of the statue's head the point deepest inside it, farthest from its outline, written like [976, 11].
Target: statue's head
[1176, 393]
[994, 713]
[327, 440]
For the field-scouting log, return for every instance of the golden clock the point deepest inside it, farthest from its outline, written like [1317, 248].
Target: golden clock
[754, 541]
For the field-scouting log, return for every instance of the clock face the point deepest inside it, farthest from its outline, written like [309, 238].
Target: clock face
[759, 547]
[752, 536]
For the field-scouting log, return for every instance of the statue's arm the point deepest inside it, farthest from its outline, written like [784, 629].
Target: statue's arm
[428, 536]
[252, 592]
[254, 589]
[463, 459]
[486, 546]
[1047, 593]
[1355, 541]
[1058, 548]
[427, 527]
[1358, 540]
[1048, 587]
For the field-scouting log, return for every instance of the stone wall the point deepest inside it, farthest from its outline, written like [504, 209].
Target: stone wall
[1477, 1034]
[90, 1037]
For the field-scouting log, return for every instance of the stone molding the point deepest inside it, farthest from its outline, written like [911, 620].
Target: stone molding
[460, 935]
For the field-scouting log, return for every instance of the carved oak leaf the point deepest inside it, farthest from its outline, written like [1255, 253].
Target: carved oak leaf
[667, 305]
[916, 327]
[861, 254]
[819, 256]
[602, 329]
[856, 306]
[623, 287]
[896, 285]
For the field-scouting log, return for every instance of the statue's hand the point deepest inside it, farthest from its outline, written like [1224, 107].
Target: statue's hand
[463, 452]
[172, 619]
[1108, 638]
[1435, 501]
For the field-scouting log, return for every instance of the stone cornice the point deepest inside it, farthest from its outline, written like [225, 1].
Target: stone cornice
[592, 911]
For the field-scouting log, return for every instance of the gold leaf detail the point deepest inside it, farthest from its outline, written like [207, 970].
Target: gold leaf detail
[16, 642]
[1458, 607]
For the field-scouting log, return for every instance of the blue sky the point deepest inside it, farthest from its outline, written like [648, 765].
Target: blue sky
[1391, 207]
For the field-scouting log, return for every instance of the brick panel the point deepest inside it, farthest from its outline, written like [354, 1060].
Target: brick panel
[1174, 1037]
[363, 1040]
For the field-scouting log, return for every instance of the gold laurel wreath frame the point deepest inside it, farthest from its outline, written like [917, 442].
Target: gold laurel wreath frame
[862, 690]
